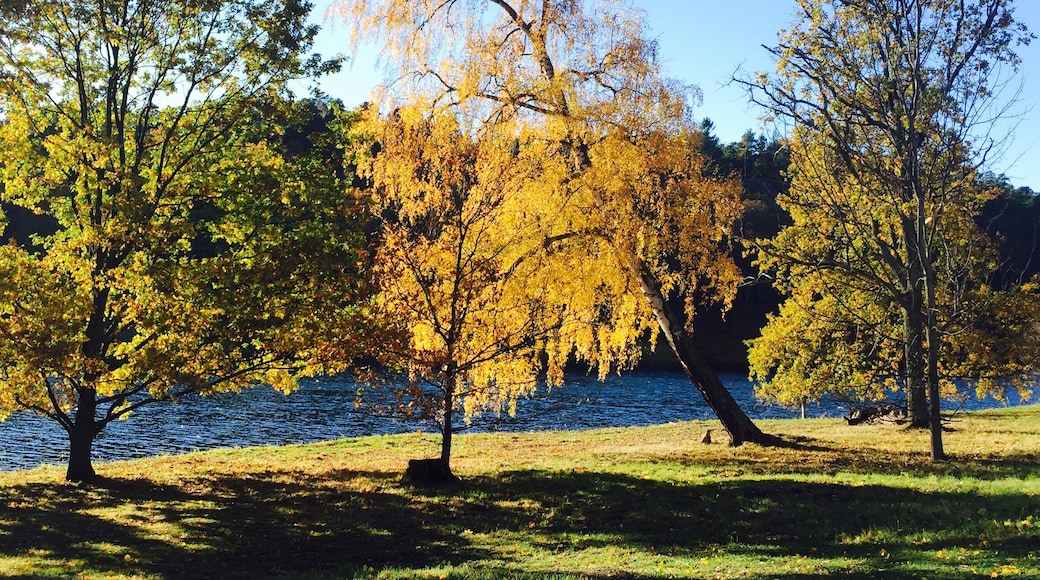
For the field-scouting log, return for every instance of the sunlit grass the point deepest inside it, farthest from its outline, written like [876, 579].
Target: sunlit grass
[651, 502]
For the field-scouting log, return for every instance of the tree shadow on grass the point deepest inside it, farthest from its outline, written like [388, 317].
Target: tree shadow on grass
[781, 514]
[286, 524]
[815, 457]
[255, 526]
[763, 518]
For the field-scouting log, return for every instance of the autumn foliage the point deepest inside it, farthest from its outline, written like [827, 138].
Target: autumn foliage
[619, 173]
[888, 273]
[179, 250]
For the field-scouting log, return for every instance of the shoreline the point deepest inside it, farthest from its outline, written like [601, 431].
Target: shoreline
[700, 423]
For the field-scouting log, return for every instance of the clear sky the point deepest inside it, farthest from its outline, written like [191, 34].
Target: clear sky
[705, 42]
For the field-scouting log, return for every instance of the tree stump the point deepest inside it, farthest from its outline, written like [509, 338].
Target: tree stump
[427, 472]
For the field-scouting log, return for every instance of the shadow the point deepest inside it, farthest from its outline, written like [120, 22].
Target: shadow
[266, 525]
[828, 458]
[758, 519]
[283, 524]
[792, 442]
[774, 515]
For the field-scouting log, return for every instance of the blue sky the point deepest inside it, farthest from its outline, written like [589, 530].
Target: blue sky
[705, 42]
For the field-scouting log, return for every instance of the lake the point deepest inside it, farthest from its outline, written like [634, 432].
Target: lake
[323, 409]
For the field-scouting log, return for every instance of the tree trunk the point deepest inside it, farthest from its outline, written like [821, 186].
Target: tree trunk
[423, 472]
[932, 335]
[915, 387]
[81, 439]
[446, 439]
[446, 426]
[736, 423]
[935, 414]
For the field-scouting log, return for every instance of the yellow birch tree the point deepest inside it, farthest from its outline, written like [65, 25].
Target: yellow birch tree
[486, 299]
[630, 183]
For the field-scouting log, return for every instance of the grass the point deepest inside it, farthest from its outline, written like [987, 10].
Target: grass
[850, 502]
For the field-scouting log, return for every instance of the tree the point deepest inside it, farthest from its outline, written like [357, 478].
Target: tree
[837, 336]
[183, 252]
[482, 303]
[840, 343]
[629, 183]
[891, 101]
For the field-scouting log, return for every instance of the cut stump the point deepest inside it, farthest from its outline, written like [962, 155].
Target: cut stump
[427, 472]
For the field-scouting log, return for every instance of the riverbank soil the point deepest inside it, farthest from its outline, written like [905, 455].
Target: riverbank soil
[653, 502]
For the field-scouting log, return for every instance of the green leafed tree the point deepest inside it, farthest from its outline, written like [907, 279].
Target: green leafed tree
[180, 250]
[892, 102]
[628, 175]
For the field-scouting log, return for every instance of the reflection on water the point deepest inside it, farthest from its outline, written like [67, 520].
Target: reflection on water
[323, 409]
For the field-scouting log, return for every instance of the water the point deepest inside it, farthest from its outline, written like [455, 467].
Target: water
[323, 409]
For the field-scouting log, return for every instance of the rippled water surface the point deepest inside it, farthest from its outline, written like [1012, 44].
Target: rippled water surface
[324, 409]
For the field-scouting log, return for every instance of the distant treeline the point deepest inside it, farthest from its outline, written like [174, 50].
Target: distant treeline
[1012, 217]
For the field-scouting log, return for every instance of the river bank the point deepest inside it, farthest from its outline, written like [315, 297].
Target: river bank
[323, 409]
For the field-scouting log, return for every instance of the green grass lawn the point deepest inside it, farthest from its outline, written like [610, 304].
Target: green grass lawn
[850, 502]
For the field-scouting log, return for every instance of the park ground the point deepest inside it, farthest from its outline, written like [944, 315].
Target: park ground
[649, 502]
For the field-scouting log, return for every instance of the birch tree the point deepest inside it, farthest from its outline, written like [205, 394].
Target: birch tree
[483, 304]
[587, 75]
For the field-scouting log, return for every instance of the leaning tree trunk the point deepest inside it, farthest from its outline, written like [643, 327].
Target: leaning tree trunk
[734, 420]
[81, 438]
